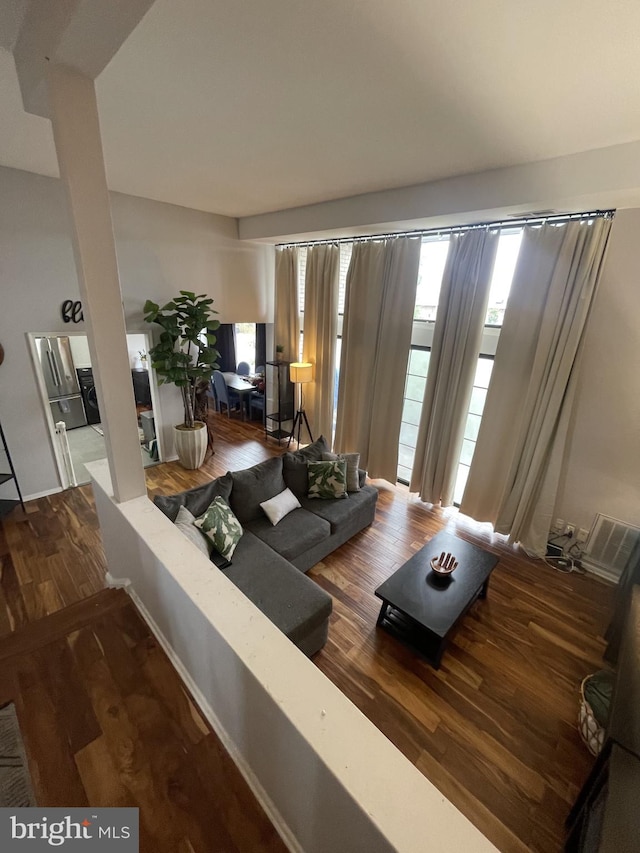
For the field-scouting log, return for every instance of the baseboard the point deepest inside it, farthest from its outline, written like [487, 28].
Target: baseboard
[45, 494]
[260, 794]
[600, 571]
[117, 583]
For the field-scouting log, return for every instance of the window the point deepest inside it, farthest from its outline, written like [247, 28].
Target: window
[302, 271]
[346, 250]
[506, 257]
[412, 407]
[472, 427]
[246, 344]
[433, 258]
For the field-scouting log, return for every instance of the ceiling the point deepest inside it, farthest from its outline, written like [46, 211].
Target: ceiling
[243, 108]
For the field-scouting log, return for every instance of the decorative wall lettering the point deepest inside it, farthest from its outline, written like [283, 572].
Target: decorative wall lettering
[72, 311]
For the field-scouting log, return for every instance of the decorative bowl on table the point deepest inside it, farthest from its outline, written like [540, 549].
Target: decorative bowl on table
[443, 565]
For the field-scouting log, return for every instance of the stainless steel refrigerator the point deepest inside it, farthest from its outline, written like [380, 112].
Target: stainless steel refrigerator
[61, 380]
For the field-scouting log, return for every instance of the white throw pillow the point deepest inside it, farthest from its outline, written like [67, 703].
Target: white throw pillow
[276, 508]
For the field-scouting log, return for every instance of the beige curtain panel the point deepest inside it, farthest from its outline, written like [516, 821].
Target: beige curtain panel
[287, 311]
[320, 332]
[376, 338]
[516, 466]
[457, 336]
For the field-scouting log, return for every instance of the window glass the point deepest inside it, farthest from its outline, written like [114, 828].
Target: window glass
[476, 406]
[506, 257]
[411, 409]
[472, 427]
[419, 361]
[346, 250]
[433, 256]
[246, 344]
[414, 389]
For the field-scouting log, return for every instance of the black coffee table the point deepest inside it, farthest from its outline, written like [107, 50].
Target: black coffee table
[422, 608]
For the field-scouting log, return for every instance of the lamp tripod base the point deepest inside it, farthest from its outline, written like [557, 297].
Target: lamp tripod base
[297, 422]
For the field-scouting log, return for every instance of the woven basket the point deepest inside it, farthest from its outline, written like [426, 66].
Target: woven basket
[591, 732]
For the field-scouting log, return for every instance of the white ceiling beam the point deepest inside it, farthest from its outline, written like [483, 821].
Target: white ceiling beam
[603, 178]
[80, 34]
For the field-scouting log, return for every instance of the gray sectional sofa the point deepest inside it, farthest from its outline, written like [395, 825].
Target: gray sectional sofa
[269, 561]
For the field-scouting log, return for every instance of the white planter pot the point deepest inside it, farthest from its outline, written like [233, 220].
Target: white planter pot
[191, 445]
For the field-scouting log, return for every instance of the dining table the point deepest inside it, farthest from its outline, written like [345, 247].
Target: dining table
[242, 386]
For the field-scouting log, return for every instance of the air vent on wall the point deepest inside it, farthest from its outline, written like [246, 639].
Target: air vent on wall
[535, 214]
[609, 546]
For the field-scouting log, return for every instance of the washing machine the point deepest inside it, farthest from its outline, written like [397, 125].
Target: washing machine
[89, 396]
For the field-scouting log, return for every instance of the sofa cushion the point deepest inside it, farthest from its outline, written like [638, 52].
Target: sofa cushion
[195, 500]
[255, 485]
[327, 480]
[340, 513]
[296, 533]
[294, 465]
[292, 601]
[221, 527]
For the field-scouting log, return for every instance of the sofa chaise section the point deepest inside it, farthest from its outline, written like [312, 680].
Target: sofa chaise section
[291, 600]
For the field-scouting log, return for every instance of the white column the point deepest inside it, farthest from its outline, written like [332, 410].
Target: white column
[76, 131]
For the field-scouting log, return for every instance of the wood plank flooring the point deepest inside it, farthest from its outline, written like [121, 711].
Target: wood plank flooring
[494, 728]
[107, 722]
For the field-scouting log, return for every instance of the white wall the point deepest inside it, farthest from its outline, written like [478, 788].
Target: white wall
[602, 467]
[161, 249]
[80, 350]
[326, 776]
[137, 344]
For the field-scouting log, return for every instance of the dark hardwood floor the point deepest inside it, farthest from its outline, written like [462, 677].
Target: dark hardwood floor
[107, 722]
[494, 729]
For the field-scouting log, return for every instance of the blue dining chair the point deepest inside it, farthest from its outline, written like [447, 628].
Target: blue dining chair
[222, 394]
[256, 401]
[243, 369]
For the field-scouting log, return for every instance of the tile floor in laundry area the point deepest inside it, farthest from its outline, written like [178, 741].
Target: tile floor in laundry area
[86, 444]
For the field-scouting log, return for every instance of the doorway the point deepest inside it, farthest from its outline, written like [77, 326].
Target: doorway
[81, 440]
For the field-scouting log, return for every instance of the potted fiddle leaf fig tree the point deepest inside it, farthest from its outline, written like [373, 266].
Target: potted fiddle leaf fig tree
[185, 355]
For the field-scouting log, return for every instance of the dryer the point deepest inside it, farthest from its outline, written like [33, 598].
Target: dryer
[89, 396]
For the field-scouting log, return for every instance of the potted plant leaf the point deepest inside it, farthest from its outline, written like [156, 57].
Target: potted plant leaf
[185, 355]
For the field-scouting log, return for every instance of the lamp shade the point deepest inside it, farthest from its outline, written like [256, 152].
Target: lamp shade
[301, 371]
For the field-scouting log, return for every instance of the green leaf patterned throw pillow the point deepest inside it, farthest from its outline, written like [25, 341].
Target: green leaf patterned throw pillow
[220, 525]
[327, 480]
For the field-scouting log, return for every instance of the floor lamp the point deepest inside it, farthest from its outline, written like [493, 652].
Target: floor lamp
[299, 373]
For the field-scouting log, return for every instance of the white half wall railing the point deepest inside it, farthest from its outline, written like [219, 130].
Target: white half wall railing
[326, 776]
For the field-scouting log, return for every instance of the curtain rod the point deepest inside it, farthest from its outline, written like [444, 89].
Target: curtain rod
[557, 219]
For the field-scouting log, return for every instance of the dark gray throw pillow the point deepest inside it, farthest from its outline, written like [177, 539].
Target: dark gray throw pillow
[195, 500]
[255, 485]
[353, 471]
[294, 465]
